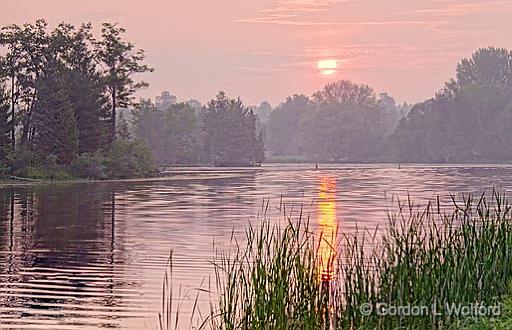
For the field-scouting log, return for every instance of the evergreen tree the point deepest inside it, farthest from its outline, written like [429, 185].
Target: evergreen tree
[173, 134]
[55, 124]
[123, 129]
[85, 95]
[231, 133]
[73, 47]
[5, 128]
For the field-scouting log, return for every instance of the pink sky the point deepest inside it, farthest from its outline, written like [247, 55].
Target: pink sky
[268, 49]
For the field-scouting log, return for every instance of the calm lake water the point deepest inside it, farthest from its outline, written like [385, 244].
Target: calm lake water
[93, 255]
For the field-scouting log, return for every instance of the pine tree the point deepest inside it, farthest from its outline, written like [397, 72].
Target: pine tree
[123, 129]
[85, 84]
[5, 127]
[55, 124]
[231, 133]
[259, 152]
[85, 95]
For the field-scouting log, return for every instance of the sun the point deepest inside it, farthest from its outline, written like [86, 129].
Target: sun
[327, 67]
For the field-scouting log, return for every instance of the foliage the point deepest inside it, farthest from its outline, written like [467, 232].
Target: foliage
[57, 85]
[54, 121]
[23, 159]
[345, 92]
[120, 61]
[5, 128]
[273, 282]
[429, 257]
[172, 133]
[501, 322]
[231, 138]
[127, 159]
[123, 129]
[467, 121]
[284, 133]
[89, 166]
[31, 163]
[343, 122]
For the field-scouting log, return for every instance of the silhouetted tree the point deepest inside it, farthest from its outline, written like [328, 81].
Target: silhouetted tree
[73, 48]
[467, 120]
[5, 127]
[173, 134]
[231, 138]
[55, 124]
[343, 122]
[284, 136]
[345, 92]
[25, 46]
[120, 62]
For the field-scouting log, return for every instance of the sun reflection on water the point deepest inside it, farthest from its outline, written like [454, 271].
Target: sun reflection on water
[327, 227]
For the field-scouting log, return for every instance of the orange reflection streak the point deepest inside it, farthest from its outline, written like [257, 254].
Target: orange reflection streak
[328, 227]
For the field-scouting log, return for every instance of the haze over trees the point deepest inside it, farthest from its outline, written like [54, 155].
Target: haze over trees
[469, 120]
[67, 108]
[223, 134]
[172, 131]
[231, 133]
[343, 121]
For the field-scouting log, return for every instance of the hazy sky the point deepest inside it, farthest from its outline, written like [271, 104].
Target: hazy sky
[268, 49]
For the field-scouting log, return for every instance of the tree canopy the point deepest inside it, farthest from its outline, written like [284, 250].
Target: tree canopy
[469, 120]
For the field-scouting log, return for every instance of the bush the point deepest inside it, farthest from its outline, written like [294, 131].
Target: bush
[89, 166]
[25, 160]
[124, 159]
[128, 159]
[45, 169]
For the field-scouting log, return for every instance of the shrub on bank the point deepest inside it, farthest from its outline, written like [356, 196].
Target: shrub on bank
[89, 166]
[128, 159]
[124, 159]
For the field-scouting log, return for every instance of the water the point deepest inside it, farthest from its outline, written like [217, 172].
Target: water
[93, 255]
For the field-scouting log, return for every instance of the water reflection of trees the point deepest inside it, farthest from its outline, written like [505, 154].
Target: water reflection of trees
[58, 248]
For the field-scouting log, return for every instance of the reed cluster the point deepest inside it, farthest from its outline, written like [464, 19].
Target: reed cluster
[431, 256]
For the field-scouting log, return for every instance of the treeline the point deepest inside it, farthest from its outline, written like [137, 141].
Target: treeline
[67, 109]
[469, 120]
[342, 122]
[222, 133]
[60, 91]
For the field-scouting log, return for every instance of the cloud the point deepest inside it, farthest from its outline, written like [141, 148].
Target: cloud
[300, 12]
[284, 21]
[302, 6]
[285, 10]
[459, 8]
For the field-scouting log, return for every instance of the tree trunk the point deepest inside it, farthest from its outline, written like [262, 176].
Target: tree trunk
[13, 129]
[114, 106]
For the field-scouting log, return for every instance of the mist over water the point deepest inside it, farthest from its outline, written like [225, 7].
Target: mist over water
[93, 255]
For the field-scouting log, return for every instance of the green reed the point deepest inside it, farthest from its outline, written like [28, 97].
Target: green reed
[272, 281]
[430, 257]
[427, 256]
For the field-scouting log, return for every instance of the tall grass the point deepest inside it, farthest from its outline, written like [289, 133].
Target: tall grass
[431, 257]
[272, 281]
[426, 256]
